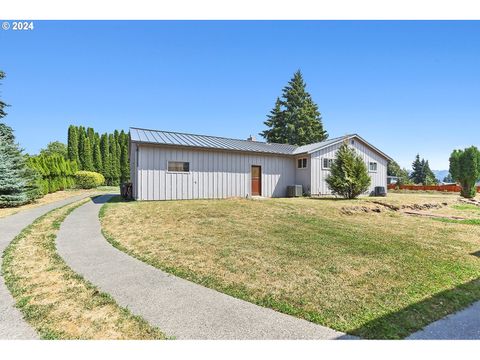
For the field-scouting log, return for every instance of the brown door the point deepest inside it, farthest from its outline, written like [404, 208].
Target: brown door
[256, 180]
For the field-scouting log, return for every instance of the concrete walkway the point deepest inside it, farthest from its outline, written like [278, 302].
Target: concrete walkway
[178, 307]
[462, 325]
[12, 324]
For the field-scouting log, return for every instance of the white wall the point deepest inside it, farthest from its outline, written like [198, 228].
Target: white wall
[213, 174]
[320, 187]
[303, 176]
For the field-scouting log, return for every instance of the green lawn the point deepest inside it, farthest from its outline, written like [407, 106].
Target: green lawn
[372, 274]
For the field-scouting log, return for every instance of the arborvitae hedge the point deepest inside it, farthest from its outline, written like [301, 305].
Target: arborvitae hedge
[106, 154]
[55, 172]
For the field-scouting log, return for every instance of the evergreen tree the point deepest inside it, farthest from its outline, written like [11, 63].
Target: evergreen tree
[417, 171]
[348, 173]
[88, 155]
[16, 180]
[2, 104]
[114, 163]
[448, 179]
[97, 155]
[73, 144]
[295, 119]
[105, 151]
[428, 177]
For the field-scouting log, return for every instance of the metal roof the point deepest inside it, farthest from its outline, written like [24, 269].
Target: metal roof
[204, 141]
[160, 137]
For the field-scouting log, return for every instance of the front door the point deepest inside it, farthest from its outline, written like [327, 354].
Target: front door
[256, 180]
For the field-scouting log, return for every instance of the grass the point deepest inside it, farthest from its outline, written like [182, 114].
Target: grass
[375, 275]
[56, 301]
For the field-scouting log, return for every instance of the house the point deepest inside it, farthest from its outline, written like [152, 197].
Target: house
[171, 166]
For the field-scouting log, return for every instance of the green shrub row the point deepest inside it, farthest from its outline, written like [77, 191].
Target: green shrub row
[53, 172]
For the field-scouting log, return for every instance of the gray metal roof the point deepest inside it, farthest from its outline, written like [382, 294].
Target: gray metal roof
[214, 142]
[204, 141]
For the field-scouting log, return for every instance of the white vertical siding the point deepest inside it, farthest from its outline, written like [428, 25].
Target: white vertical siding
[320, 187]
[213, 174]
[303, 176]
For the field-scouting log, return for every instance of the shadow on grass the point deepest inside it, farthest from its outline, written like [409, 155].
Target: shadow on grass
[400, 324]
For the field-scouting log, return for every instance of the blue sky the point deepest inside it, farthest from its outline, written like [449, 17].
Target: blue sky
[407, 87]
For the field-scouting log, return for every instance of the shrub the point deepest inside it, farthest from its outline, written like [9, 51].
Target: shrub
[88, 179]
[465, 169]
[348, 174]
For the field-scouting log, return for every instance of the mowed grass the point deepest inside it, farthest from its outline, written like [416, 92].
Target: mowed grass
[57, 302]
[375, 275]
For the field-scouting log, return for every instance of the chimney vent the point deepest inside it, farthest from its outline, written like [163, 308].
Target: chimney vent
[251, 138]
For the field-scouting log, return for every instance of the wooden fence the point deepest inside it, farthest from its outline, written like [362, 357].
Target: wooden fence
[448, 188]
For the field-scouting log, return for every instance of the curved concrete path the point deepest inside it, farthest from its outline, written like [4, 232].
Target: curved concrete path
[12, 324]
[180, 308]
[462, 325]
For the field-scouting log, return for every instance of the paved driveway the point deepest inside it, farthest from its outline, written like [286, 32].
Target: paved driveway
[12, 324]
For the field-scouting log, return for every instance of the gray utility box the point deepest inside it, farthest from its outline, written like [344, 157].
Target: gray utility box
[380, 191]
[294, 190]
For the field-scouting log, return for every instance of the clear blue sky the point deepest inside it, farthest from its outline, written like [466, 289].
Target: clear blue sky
[407, 87]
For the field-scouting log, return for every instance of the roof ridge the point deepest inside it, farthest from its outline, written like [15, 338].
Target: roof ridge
[212, 136]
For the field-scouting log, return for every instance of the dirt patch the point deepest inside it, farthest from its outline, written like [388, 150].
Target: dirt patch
[351, 210]
[381, 206]
[470, 201]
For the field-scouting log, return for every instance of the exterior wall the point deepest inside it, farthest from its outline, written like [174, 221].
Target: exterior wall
[303, 176]
[320, 187]
[213, 174]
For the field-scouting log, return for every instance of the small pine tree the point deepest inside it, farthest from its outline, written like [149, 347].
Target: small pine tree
[348, 173]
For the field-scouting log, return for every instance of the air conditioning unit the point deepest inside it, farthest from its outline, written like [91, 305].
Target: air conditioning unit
[294, 190]
[380, 191]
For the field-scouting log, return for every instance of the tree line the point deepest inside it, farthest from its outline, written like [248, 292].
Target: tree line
[106, 154]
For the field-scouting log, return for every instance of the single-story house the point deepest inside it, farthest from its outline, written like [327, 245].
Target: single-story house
[172, 166]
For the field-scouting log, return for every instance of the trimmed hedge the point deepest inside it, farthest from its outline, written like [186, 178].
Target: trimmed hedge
[54, 173]
[88, 179]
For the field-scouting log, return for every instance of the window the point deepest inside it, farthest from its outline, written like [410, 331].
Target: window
[327, 163]
[372, 166]
[179, 166]
[302, 163]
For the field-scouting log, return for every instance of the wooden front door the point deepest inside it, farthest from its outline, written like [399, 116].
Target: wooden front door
[256, 180]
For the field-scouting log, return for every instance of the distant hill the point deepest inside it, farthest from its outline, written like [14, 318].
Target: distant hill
[440, 174]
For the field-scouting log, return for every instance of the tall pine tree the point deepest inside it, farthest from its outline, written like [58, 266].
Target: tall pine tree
[295, 119]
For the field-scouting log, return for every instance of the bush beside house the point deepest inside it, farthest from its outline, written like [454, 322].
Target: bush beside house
[348, 174]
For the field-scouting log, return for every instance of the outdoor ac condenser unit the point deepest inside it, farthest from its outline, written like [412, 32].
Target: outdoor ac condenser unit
[294, 191]
[380, 191]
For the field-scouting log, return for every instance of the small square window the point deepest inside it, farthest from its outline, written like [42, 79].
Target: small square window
[327, 163]
[179, 166]
[302, 163]
[372, 166]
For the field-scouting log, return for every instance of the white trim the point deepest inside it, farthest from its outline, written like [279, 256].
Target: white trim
[323, 163]
[306, 161]
[178, 172]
